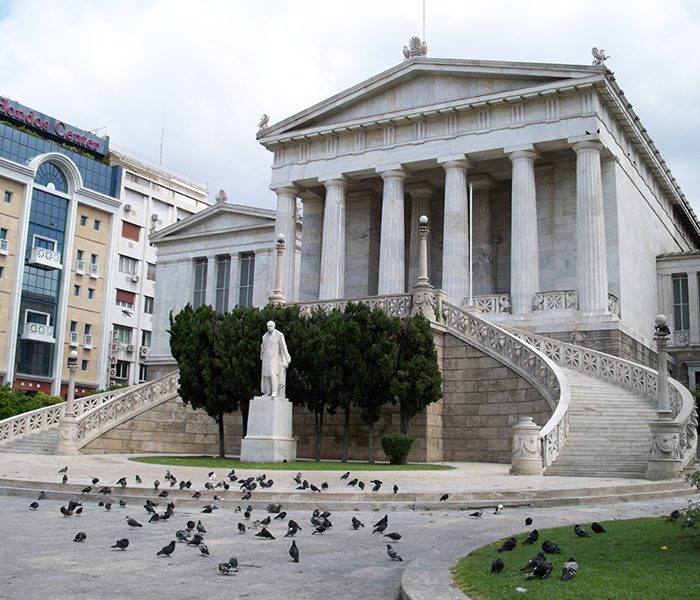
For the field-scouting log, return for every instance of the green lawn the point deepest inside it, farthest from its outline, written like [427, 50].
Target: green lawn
[210, 462]
[624, 563]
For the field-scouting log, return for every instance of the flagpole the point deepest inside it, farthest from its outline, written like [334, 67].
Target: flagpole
[471, 244]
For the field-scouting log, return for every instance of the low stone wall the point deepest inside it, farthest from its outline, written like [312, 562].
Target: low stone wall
[482, 400]
[171, 427]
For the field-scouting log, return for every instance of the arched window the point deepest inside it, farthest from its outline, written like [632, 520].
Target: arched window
[50, 175]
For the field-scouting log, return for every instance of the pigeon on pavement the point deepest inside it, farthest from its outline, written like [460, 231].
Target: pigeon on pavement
[81, 536]
[121, 544]
[393, 555]
[167, 550]
[294, 552]
[133, 522]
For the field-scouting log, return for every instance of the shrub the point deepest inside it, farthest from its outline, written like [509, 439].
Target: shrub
[396, 446]
[17, 402]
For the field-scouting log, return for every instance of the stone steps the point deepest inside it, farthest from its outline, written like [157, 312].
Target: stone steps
[608, 430]
[43, 442]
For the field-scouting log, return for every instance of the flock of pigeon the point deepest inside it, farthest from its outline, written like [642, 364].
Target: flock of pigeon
[193, 534]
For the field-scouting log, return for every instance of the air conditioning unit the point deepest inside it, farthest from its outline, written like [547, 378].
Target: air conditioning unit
[130, 348]
[154, 217]
[144, 350]
[127, 208]
[135, 278]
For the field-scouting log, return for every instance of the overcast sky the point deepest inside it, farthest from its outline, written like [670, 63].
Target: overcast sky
[206, 70]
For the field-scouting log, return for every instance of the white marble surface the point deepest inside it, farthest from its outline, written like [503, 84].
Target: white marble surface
[269, 432]
[332, 276]
[392, 260]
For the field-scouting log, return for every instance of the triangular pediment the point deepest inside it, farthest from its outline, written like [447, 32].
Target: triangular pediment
[220, 218]
[424, 84]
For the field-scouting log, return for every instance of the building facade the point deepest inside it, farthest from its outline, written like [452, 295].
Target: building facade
[62, 233]
[223, 256]
[560, 175]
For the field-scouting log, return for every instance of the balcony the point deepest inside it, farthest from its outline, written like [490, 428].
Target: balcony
[4, 246]
[73, 339]
[43, 258]
[94, 271]
[38, 332]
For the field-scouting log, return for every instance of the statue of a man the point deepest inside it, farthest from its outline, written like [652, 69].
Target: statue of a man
[275, 360]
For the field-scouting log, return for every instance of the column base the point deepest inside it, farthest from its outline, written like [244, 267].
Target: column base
[67, 437]
[665, 456]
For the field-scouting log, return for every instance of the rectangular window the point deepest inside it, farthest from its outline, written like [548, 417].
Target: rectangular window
[3, 233]
[223, 274]
[76, 290]
[131, 231]
[148, 305]
[4, 244]
[151, 271]
[122, 369]
[245, 289]
[73, 334]
[200, 282]
[125, 299]
[35, 316]
[39, 241]
[8, 196]
[79, 262]
[84, 365]
[123, 334]
[681, 310]
[146, 338]
[128, 265]
[2, 272]
[73, 326]
[96, 225]
[91, 293]
[143, 373]
[83, 220]
[87, 330]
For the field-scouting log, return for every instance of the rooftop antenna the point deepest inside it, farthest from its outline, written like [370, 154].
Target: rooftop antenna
[162, 135]
[423, 20]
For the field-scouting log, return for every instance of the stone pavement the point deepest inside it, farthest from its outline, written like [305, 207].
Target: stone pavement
[40, 560]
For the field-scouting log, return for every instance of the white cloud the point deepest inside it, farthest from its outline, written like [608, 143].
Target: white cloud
[208, 69]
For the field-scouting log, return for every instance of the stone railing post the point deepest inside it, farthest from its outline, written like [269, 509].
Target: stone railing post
[527, 456]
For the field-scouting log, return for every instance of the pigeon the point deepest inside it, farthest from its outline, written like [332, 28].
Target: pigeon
[34, 505]
[674, 516]
[356, 523]
[122, 482]
[167, 550]
[291, 531]
[396, 488]
[246, 514]
[353, 482]
[156, 484]
[108, 506]
[200, 528]
[73, 505]
[212, 475]
[274, 508]
[498, 510]
[266, 521]
[477, 514]
[264, 533]
[444, 497]
[497, 565]
[64, 469]
[209, 508]
[569, 569]
[531, 538]
[297, 478]
[313, 488]
[294, 552]
[121, 544]
[196, 540]
[137, 479]
[345, 475]
[528, 521]
[550, 547]
[233, 563]
[182, 535]
[79, 511]
[689, 522]
[224, 568]
[597, 527]
[393, 555]
[361, 485]
[508, 545]
[86, 490]
[241, 528]
[380, 528]
[281, 516]
[541, 570]
[95, 480]
[66, 512]
[81, 536]
[383, 521]
[197, 495]
[155, 517]
[163, 494]
[122, 503]
[533, 562]
[203, 550]
[394, 536]
[247, 496]
[319, 529]
[64, 479]
[376, 485]
[581, 532]
[324, 485]
[190, 525]
[42, 495]
[133, 522]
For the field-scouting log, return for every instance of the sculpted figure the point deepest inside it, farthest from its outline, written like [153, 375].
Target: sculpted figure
[275, 360]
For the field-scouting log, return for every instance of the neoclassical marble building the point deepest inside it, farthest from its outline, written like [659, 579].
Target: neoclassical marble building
[571, 199]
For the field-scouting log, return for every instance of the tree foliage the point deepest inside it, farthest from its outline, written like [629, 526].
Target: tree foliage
[16, 402]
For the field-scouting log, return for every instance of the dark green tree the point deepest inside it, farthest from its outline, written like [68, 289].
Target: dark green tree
[417, 380]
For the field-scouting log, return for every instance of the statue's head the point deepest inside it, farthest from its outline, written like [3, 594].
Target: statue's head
[270, 326]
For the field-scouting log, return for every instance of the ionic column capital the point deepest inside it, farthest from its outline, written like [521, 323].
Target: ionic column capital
[393, 173]
[336, 182]
[529, 154]
[456, 162]
[286, 190]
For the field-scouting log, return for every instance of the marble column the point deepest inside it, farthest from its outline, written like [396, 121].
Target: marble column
[210, 290]
[311, 235]
[455, 243]
[591, 260]
[421, 195]
[482, 264]
[332, 277]
[391, 246]
[524, 259]
[285, 223]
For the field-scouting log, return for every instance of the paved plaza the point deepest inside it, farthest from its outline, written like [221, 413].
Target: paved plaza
[40, 560]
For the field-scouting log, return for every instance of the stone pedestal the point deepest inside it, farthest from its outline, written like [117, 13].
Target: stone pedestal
[665, 454]
[269, 437]
[527, 457]
[67, 436]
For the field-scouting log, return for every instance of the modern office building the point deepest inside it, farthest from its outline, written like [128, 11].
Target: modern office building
[64, 236]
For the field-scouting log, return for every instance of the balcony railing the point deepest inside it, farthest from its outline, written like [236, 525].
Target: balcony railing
[94, 271]
[43, 258]
[73, 338]
[87, 341]
[38, 332]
